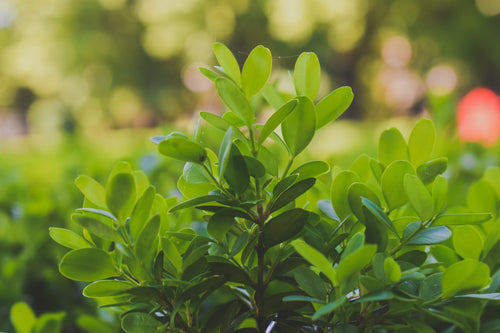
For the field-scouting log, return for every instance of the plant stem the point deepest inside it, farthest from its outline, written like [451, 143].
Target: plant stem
[217, 183]
[287, 167]
[261, 284]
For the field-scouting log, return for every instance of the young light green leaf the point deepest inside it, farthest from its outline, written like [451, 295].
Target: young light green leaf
[329, 308]
[439, 194]
[121, 195]
[225, 151]
[356, 192]
[49, 323]
[284, 226]
[140, 322]
[429, 170]
[481, 197]
[182, 149]
[92, 190]
[171, 253]
[299, 127]
[256, 70]
[340, 187]
[220, 223]
[195, 202]
[87, 265]
[97, 225]
[392, 183]
[462, 218]
[392, 270]
[228, 62]
[234, 98]
[467, 241]
[276, 119]
[106, 288]
[291, 194]
[419, 197]
[391, 147]
[311, 169]
[333, 105]
[355, 262]
[195, 174]
[68, 238]
[306, 75]
[421, 141]
[317, 259]
[444, 255]
[468, 275]
[211, 75]
[272, 96]
[22, 317]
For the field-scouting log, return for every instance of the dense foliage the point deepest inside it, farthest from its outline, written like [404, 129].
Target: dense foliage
[276, 245]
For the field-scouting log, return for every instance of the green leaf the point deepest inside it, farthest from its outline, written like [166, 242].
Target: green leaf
[182, 149]
[220, 223]
[492, 175]
[356, 192]
[430, 289]
[49, 323]
[467, 241]
[355, 243]
[465, 276]
[419, 197]
[225, 151]
[92, 190]
[68, 238]
[291, 194]
[391, 147]
[355, 262]
[311, 169]
[222, 124]
[481, 197]
[234, 98]
[392, 183]
[146, 244]
[195, 174]
[392, 270]
[196, 201]
[370, 283]
[488, 297]
[306, 75]
[255, 168]
[444, 255]
[211, 75]
[276, 119]
[256, 70]
[142, 211]
[272, 96]
[421, 141]
[380, 215]
[22, 317]
[310, 282]
[429, 236]
[140, 322]
[284, 184]
[121, 195]
[284, 226]
[333, 105]
[236, 173]
[90, 324]
[462, 218]
[302, 298]
[95, 224]
[87, 265]
[329, 308]
[171, 253]
[228, 62]
[230, 272]
[317, 259]
[439, 194]
[429, 170]
[239, 243]
[299, 127]
[340, 187]
[106, 288]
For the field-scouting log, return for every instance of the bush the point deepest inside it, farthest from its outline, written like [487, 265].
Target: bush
[271, 246]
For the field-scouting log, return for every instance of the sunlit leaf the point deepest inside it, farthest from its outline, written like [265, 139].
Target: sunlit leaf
[276, 119]
[421, 141]
[465, 276]
[140, 322]
[182, 149]
[428, 171]
[462, 218]
[87, 265]
[228, 62]
[333, 105]
[93, 191]
[311, 169]
[392, 147]
[392, 183]
[68, 238]
[22, 317]
[234, 98]
[316, 258]
[306, 75]
[419, 197]
[256, 70]
[467, 241]
[106, 288]
[299, 127]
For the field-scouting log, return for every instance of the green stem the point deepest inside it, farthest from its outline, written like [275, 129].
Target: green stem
[290, 162]
[216, 182]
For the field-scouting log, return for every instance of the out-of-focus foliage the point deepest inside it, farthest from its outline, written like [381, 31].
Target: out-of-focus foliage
[114, 63]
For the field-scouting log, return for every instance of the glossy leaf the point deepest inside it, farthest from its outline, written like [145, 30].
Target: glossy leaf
[430, 288]
[240, 243]
[284, 226]
[87, 265]
[340, 187]
[220, 223]
[195, 174]
[465, 276]
[421, 141]
[234, 98]
[291, 193]
[392, 270]
[140, 322]
[22, 317]
[462, 218]
[141, 211]
[392, 183]
[429, 170]
[225, 151]
[171, 253]
[299, 127]
[211, 75]
[146, 245]
[356, 192]
[380, 215]
[284, 184]
[182, 149]
[329, 308]
[92, 190]
[467, 241]
[106, 288]
[255, 168]
[439, 194]
[68, 238]
[276, 119]
[429, 236]
[97, 226]
[391, 147]
[195, 202]
[316, 258]
[444, 255]
[121, 195]
[306, 75]
[311, 169]
[256, 70]
[310, 282]
[228, 62]
[236, 172]
[333, 105]
[355, 262]
[419, 197]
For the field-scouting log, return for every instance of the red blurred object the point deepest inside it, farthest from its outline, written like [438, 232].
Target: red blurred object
[478, 116]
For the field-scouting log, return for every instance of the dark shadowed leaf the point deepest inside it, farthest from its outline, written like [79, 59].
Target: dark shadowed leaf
[284, 226]
[291, 193]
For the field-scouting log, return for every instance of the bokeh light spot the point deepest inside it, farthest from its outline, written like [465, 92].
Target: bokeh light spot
[441, 79]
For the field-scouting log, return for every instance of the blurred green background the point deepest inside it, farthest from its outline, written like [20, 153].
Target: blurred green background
[83, 84]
